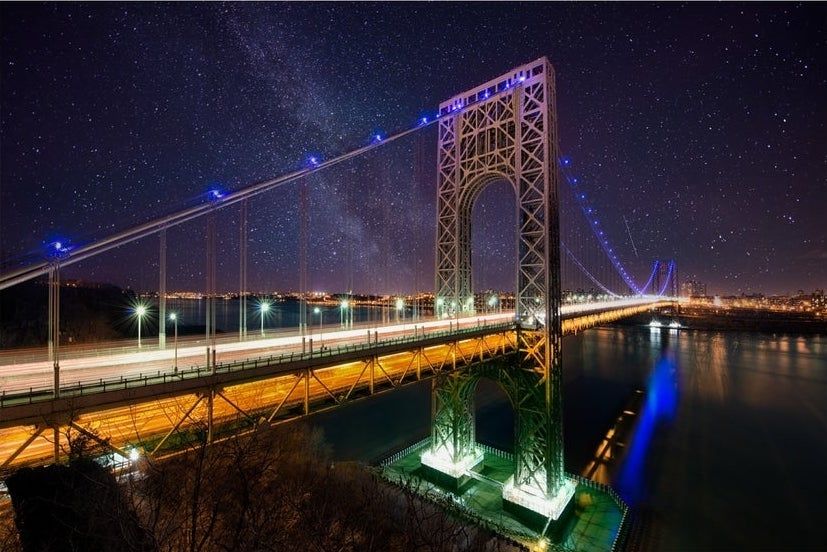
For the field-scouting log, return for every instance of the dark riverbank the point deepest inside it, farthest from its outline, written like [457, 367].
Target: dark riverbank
[87, 314]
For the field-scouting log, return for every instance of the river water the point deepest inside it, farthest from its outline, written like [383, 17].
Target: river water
[727, 451]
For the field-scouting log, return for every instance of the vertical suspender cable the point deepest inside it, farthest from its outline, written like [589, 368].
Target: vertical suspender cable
[162, 289]
[242, 271]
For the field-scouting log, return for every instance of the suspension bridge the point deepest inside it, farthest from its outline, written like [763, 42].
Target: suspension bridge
[144, 400]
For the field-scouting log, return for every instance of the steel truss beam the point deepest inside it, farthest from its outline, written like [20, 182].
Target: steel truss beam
[22, 447]
[313, 389]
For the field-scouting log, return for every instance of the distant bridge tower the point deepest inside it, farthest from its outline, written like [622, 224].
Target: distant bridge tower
[505, 129]
[665, 279]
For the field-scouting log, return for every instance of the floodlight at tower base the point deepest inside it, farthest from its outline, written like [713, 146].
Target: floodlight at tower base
[527, 502]
[449, 473]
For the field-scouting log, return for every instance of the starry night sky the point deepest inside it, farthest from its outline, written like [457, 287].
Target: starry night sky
[705, 126]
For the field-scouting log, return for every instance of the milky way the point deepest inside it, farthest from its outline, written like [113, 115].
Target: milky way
[702, 125]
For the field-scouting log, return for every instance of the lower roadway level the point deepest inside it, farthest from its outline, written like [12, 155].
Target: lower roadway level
[159, 426]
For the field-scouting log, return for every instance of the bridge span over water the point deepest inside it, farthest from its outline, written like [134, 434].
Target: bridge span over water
[506, 129]
[117, 399]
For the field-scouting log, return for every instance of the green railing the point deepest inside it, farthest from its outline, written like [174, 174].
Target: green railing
[438, 496]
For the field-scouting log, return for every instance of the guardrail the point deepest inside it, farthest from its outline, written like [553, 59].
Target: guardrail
[109, 348]
[496, 452]
[620, 538]
[422, 443]
[80, 389]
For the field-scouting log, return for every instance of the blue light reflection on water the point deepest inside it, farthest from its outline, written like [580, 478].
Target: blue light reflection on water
[659, 407]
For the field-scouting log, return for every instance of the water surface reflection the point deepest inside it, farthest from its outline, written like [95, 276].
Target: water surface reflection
[729, 451]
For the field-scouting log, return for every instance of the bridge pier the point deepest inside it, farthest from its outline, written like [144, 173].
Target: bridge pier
[538, 488]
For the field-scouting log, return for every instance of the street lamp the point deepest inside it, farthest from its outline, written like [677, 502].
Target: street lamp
[140, 312]
[317, 310]
[492, 303]
[344, 304]
[264, 308]
[174, 318]
[400, 308]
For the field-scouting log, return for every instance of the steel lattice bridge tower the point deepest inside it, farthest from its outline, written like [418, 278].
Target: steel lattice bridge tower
[505, 129]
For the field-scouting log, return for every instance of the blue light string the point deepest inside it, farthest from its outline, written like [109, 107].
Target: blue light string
[651, 277]
[595, 226]
[668, 278]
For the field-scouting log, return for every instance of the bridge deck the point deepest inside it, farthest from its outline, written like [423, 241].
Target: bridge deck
[143, 408]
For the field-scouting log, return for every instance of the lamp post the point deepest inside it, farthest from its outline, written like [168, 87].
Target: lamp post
[140, 312]
[400, 309]
[174, 318]
[263, 308]
[317, 310]
[344, 304]
[492, 303]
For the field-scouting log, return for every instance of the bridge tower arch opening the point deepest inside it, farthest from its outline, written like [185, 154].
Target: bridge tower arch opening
[492, 220]
[494, 415]
[505, 129]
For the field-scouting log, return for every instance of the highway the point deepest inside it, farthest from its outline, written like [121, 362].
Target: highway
[123, 361]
